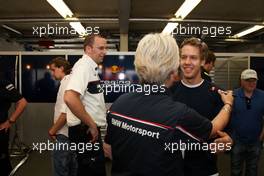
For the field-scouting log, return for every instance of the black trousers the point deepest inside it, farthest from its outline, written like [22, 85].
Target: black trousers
[5, 165]
[90, 161]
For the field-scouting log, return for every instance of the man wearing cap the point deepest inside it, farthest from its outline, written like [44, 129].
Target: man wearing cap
[247, 125]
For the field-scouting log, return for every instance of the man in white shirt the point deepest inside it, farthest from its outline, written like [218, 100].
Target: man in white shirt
[85, 100]
[64, 160]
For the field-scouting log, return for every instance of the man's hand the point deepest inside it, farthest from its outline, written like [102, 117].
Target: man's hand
[223, 142]
[94, 133]
[60, 122]
[5, 126]
[73, 101]
[52, 134]
[107, 150]
[226, 96]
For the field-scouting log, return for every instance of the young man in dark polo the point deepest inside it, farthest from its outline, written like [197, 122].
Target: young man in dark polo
[199, 94]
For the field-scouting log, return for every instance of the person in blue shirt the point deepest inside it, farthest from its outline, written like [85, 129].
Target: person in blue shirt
[247, 125]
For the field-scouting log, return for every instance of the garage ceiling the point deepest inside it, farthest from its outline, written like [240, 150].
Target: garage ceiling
[132, 17]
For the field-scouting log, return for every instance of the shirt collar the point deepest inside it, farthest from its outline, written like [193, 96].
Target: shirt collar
[192, 86]
[203, 70]
[64, 78]
[91, 61]
[242, 94]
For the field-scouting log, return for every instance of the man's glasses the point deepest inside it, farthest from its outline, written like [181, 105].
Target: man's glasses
[248, 102]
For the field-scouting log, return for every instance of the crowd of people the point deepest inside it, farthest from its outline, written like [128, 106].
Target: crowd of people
[178, 131]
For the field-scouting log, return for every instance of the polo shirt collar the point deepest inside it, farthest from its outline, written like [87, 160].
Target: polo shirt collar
[203, 70]
[242, 94]
[192, 86]
[63, 78]
[91, 61]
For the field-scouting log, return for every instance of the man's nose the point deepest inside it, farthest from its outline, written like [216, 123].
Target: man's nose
[187, 60]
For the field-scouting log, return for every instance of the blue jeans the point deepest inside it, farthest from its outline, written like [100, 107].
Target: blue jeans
[248, 153]
[64, 161]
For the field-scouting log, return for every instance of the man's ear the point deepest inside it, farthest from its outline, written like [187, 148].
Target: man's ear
[62, 68]
[88, 49]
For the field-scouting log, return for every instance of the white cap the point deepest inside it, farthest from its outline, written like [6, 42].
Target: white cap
[249, 74]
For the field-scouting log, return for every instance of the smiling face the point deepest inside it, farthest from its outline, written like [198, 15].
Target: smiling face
[190, 63]
[97, 50]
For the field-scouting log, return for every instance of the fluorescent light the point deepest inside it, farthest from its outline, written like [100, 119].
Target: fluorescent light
[61, 8]
[78, 28]
[64, 11]
[248, 31]
[169, 28]
[11, 29]
[186, 8]
[181, 13]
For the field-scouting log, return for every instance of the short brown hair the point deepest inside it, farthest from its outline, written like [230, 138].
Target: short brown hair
[61, 62]
[196, 43]
[210, 57]
[89, 40]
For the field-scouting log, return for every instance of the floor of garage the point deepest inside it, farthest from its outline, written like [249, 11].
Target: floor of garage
[40, 164]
